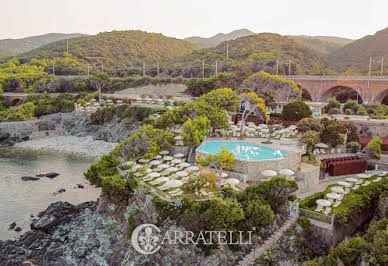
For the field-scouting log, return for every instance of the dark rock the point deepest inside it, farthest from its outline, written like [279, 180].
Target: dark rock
[18, 229]
[61, 190]
[29, 178]
[12, 226]
[25, 138]
[52, 175]
[80, 186]
[40, 175]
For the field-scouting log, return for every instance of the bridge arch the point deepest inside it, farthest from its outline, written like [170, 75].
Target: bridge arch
[382, 97]
[343, 94]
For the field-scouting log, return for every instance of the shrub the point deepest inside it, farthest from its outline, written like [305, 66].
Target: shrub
[354, 146]
[334, 111]
[362, 111]
[106, 166]
[116, 189]
[375, 147]
[351, 105]
[308, 123]
[348, 112]
[296, 111]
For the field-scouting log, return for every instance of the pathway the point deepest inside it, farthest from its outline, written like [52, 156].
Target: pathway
[257, 252]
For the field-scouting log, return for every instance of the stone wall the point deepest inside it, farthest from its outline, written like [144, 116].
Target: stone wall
[333, 236]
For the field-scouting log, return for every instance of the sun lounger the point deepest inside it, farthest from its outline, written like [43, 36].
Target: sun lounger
[355, 187]
[319, 209]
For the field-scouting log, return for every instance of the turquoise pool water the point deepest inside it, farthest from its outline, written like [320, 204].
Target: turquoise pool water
[243, 150]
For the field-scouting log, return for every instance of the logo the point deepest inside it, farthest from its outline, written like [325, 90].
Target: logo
[145, 239]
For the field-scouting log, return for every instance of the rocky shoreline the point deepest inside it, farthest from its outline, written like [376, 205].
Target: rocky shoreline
[81, 146]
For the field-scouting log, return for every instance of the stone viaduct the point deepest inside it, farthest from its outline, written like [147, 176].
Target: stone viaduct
[373, 89]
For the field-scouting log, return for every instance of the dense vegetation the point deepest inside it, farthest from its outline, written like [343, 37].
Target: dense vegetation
[353, 204]
[355, 56]
[116, 50]
[16, 46]
[218, 38]
[323, 45]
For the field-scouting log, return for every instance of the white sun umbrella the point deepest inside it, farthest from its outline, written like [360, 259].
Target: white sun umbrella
[138, 174]
[164, 152]
[232, 181]
[172, 170]
[157, 157]
[179, 155]
[173, 183]
[292, 127]
[153, 175]
[192, 169]
[143, 160]
[155, 162]
[339, 190]
[164, 166]
[333, 196]
[351, 180]
[345, 184]
[176, 161]
[265, 130]
[322, 145]
[148, 171]
[184, 165]
[269, 173]
[362, 176]
[129, 163]
[286, 172]
[323, 202]
[223, 175]
[160, 180]
[181, 174]
[168, 158]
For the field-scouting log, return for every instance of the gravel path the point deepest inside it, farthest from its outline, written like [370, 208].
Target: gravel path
[83, 146]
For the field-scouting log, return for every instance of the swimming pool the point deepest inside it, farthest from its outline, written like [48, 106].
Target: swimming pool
[243, 150]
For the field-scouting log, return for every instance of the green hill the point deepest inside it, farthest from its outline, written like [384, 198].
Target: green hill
[218, 38]
[260, 52]
[116, 49]
[355, 56]
[17, 46]
[322, 44]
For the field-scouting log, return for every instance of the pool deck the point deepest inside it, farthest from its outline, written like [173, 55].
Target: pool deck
[290, 145]
[252, 168]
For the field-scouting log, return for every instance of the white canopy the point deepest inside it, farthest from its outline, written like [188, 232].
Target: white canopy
[161, 179]
[164, 166]
[129, 163]
[232, 181]
[143, 160]
[179, 155]
[176, 161]
[333, 196]
[153, 175]
[362, 176]
[164, 152]
[286, 172]
[179, 137]
[173, 183]
[338, 190]
[351, 180]
[181, 173]
[158, 157]
[345, 184]
[323, 202]
[192, 169]
[168, 158]
[269, 173]
[184, 165]
[155, 162]
[322, 145]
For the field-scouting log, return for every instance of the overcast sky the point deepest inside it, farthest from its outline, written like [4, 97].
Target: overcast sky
[184, 18]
